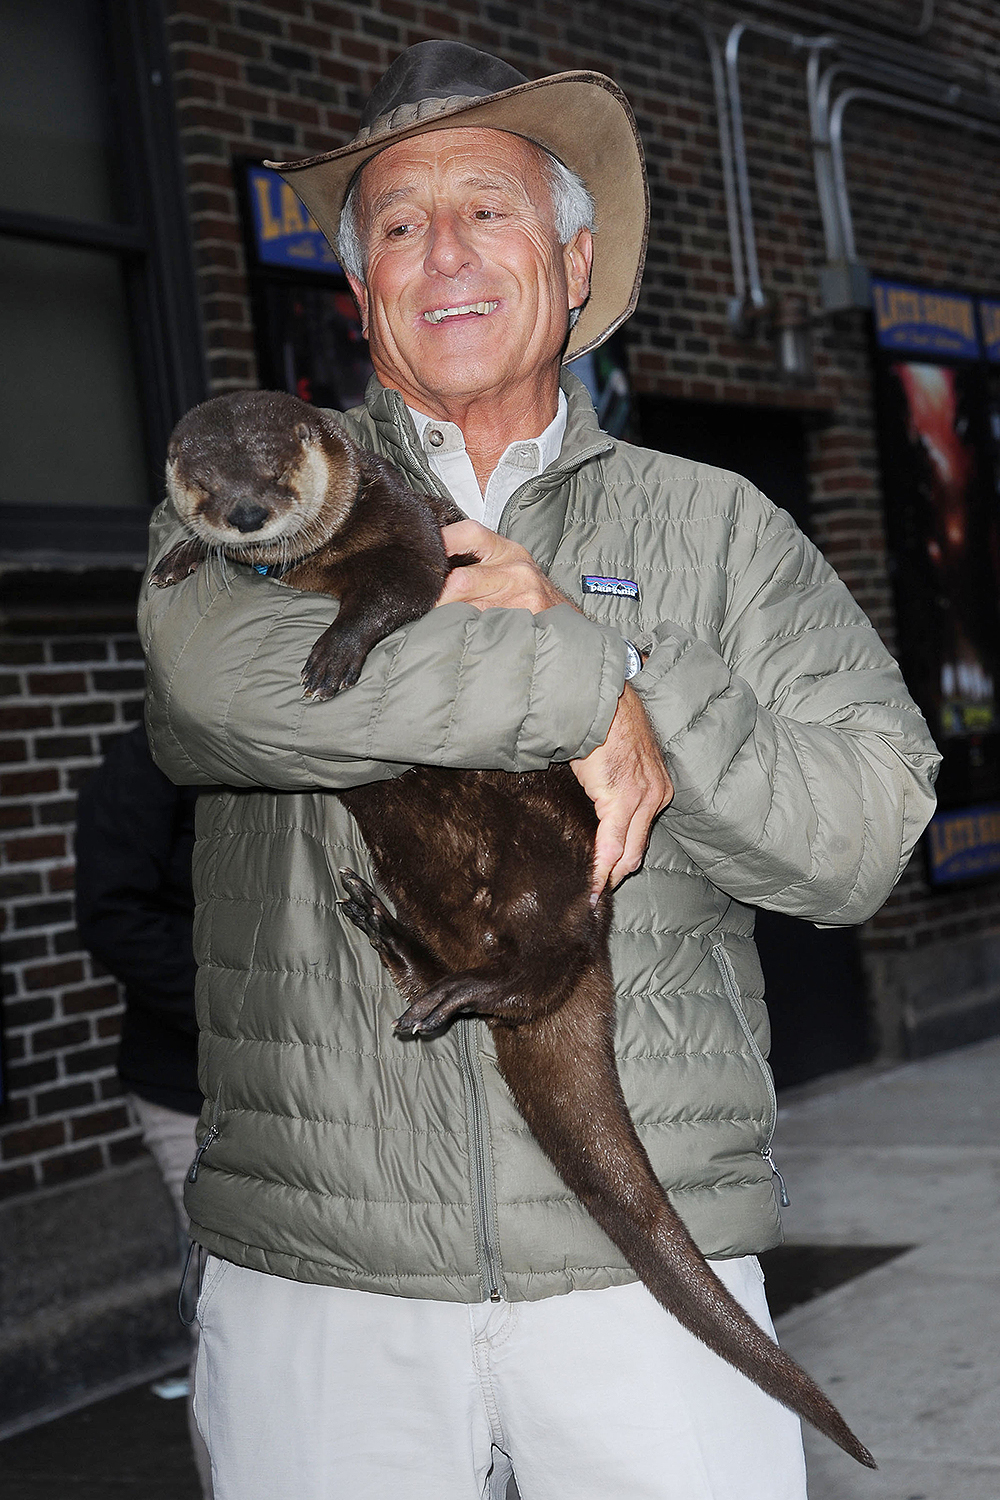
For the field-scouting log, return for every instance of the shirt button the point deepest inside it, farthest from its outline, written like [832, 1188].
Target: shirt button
[435, 437]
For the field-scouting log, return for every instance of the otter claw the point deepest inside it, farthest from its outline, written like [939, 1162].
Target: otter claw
[421, 1020]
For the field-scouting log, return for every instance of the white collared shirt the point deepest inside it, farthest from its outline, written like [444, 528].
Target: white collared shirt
[444, 446]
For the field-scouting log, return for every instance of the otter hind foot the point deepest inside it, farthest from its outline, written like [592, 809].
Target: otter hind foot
[413, 967]
[371, 916]
[471, 993]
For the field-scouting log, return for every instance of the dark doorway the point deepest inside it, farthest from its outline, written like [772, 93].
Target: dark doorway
[814, 980]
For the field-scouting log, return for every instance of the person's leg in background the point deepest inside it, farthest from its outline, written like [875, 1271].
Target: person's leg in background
[169, 1137]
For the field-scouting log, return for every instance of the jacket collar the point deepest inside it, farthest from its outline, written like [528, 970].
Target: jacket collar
[537, 526]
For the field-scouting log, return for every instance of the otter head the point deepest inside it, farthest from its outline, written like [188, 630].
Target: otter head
[261, 475]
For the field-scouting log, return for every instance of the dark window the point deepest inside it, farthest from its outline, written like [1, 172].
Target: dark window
[97, 303]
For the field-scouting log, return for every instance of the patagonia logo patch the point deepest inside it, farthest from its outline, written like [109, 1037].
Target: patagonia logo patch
[623, 588]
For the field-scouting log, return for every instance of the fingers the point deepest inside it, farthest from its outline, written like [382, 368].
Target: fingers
[506, 577]
[621, 840]
[609, 847]
[469, 536]
[629, 786]
[485, 586]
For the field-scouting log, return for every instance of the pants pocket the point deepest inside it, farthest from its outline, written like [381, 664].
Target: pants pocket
[215, 1271]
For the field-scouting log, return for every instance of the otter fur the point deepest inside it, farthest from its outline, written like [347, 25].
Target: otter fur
[489, 872]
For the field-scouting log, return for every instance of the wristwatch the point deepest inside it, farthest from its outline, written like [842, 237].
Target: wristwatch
[633, 660]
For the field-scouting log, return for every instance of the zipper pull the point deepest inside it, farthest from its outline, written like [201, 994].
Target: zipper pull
[783, 1197]
[192, 1175]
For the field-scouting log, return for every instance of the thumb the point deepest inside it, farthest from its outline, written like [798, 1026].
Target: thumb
[467, 536]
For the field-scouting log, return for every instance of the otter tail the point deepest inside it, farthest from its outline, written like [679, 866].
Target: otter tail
[584, 1126]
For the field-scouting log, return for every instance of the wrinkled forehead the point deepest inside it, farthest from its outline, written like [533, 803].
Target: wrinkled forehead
[458, 160]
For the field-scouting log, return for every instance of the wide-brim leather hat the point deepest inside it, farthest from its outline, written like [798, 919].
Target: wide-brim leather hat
[583, 118]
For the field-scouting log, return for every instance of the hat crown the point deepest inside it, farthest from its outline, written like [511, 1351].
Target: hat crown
[437, 70]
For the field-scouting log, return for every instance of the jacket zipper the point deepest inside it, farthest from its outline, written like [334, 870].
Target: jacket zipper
[483, 1186]
[210, 1135]
[530, 485]
[728, 973]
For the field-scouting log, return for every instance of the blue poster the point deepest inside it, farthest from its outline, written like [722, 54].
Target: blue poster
[989, 322]
[965, 844]
[917, 320]
[285, 233]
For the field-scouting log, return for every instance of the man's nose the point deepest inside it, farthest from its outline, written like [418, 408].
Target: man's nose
[450, 250]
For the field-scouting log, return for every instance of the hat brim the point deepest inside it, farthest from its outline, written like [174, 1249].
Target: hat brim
[585, 120]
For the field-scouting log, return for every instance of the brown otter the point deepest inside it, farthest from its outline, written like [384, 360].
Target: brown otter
[489, 872]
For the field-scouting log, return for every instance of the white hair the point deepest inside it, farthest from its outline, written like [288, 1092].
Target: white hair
[572, 207]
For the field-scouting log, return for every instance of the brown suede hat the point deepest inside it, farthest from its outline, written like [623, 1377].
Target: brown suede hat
[582, 118]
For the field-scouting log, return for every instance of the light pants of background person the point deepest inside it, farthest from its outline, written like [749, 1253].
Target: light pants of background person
[319, 1393]
[168, 1136]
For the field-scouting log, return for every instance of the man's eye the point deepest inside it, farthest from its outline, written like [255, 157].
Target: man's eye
[487, 213]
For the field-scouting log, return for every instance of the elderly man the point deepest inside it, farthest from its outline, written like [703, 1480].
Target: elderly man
[401, 1296]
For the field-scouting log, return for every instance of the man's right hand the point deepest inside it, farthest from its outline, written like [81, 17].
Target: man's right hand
[506, 576]
[629, 785]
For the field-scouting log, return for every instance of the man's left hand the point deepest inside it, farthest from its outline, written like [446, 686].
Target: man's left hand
[629, 785]
[506, 576]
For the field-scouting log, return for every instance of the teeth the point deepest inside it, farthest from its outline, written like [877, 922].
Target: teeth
[440, 313]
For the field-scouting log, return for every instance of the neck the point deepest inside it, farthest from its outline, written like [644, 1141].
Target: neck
[492, 422]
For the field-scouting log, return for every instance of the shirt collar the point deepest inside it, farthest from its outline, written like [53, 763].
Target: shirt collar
[530, 455]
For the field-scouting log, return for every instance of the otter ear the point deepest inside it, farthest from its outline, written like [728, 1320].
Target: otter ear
[303, 431]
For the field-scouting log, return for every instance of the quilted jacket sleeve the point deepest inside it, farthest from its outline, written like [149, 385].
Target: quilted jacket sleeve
[503, 689]
[803, 770]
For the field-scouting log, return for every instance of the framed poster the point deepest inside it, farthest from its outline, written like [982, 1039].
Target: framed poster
[939, 476]
[307, 331]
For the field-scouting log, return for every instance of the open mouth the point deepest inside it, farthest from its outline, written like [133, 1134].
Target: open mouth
[439, 314]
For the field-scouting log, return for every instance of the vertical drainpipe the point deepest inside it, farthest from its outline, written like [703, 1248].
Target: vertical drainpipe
[815, 45]
[708, 36]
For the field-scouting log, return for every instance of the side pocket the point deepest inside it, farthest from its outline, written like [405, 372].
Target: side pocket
[215, 1270]
[210, 1135]
[727, 973]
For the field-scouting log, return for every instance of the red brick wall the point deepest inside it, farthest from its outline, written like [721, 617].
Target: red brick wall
[62, 700]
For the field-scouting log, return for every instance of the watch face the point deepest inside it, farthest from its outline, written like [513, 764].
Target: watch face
[633, 661]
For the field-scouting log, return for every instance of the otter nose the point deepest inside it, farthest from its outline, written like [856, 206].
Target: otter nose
[248, 516]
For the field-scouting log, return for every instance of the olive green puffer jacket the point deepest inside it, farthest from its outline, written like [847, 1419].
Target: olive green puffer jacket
[333, 1152]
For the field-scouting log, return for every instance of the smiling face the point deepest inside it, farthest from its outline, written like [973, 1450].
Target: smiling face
[468, 290]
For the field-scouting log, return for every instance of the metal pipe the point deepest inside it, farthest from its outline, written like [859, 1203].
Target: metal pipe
[802, 12]
[890, 101]
[708, 36]
[923, 85]
[822, 161]
[758, 298]
[830, 173]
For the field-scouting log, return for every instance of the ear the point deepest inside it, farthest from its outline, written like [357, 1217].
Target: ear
[578, 257]
[361, 298]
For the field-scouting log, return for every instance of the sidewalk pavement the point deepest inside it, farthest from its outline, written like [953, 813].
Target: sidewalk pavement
[910, 1351]
[905, 1157]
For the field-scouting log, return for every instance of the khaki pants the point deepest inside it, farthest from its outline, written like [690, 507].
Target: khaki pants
[318, 1393]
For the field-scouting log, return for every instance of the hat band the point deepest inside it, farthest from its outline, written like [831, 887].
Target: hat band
[414, 114]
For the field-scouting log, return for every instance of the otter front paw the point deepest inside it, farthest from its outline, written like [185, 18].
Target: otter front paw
[334, 663]
[180, 562]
